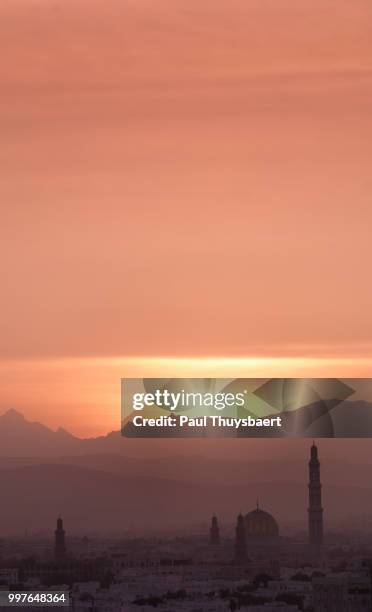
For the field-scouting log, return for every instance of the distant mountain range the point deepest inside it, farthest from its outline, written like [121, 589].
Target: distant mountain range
[114, 483]
[20, 437]
[95, 501]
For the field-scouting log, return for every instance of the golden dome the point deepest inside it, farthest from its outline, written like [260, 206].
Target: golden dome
[260, 524]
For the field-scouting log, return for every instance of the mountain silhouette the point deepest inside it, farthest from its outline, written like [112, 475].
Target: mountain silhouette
[111, 483]
[22, 438]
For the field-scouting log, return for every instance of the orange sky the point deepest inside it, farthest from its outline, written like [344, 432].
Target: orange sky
[181, 178]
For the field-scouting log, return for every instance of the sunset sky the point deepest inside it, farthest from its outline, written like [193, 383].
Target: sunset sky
[181, 179]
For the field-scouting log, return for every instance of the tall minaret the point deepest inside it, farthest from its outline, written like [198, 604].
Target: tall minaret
[214, 532]
[59, 541]
[240, 541]
[315, 500]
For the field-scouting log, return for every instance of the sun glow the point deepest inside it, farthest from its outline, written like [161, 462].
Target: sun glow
[83, 394]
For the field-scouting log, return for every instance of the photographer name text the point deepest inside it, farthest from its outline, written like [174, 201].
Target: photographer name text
[205, 421]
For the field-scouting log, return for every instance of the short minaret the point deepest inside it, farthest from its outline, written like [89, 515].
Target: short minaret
[315, 509]
[240, 541]
[214, 532]
[59, 541]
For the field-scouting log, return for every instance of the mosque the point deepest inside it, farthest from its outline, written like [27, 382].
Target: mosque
[259, 529]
